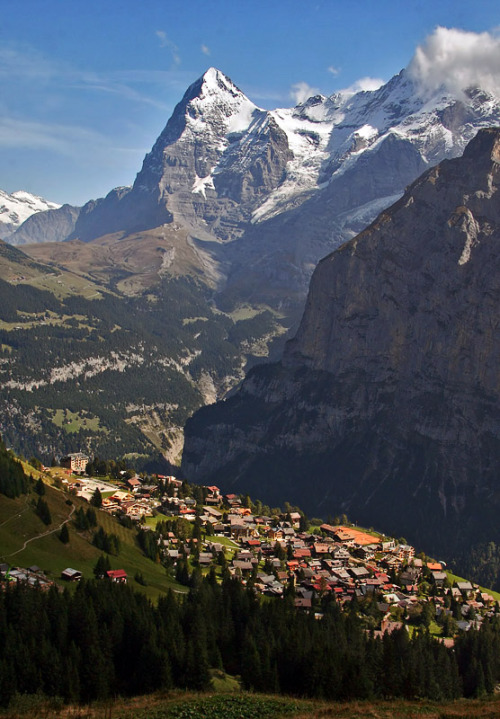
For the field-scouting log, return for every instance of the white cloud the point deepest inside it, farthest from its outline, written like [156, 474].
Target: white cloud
[300, 91]
[205, 50]
[364, 84]
[456, 60]
[165, 42]
[333, 70]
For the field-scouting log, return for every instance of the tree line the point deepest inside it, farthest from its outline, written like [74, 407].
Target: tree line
[105, 639]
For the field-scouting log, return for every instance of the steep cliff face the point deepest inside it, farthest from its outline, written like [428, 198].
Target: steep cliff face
[217, 158]
[387, 402]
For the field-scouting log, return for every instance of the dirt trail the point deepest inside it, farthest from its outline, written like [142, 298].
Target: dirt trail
[39, 536]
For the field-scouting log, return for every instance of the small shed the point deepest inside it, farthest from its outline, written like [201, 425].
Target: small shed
[71, 575]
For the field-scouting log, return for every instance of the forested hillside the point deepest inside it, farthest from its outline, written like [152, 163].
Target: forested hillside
[130, 369]
[105, 640]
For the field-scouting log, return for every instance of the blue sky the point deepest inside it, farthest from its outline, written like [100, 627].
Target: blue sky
[86, 86]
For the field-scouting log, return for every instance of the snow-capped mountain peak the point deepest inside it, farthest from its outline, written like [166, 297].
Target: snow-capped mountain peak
[17, 207]
[215, 101]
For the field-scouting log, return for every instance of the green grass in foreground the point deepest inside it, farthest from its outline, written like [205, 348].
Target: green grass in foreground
[242, 705]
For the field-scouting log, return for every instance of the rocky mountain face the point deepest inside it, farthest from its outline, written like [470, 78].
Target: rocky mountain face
[386, 404]
[17, 208]
[52, 225]
[269, 193]
[217, 157]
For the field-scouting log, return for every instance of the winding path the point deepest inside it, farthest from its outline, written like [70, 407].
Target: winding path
[39, 536]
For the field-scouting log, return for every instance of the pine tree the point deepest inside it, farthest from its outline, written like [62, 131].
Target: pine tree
[40, 487]
[64, 534]
[91, 517]
[101, 567]
[43, 511]
[96, 499]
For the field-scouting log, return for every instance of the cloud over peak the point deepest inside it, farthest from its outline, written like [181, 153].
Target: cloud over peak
[301, 91]
[456, 60]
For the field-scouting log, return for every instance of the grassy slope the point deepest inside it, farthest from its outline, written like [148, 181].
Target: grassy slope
[19, 523]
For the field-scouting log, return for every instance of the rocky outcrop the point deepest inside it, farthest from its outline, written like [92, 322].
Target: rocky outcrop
[386, 403]
[48, 226]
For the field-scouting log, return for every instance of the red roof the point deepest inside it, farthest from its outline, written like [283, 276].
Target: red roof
[116, 574]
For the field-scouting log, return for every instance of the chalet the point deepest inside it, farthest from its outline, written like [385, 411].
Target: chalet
[133, 483]
[365, 553]
[328, 529]
[242, 567]
[214, 548]
[232, 500]
[117, 575]
[409, 576]
[274, 534]
[391, 562]
[110, 504]
[372, 585]
[340, 534]
[342, 574]
[302, 553]
[71, 575]
[303, 603]
[387, 545]
[213, 491]
[331, 564]
[239, 530]
[405, 552]
[212, 512]
[76, 462]
[205, 559]
[252, 543]
[465, 588]
[359, 572]
[213, 501]
[341, 553]
[439, 578]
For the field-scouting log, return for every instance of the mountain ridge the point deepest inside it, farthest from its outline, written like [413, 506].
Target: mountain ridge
[271, 192]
